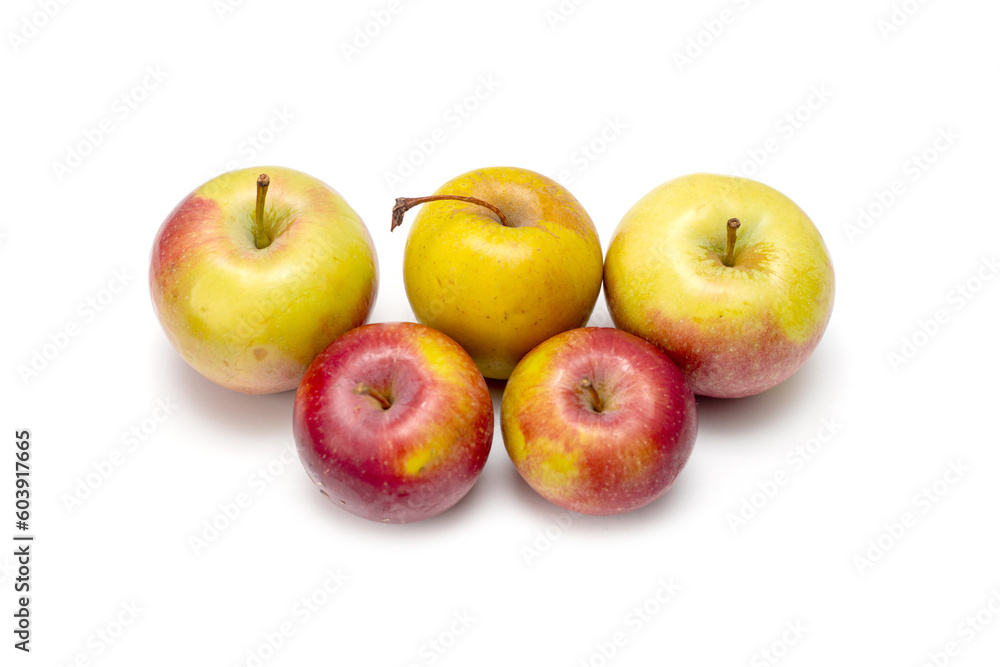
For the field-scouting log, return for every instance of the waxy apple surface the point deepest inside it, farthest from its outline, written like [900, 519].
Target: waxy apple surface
[598, 421]
[252, 318]
[500, 290]
[393, 422]
[733, 330]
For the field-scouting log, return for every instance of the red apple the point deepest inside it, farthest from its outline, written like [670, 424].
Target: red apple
[393, 422]
[598, 421]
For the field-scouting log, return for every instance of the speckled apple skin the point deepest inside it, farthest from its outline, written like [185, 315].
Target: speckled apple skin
[412, 461]
[733, 331]
[253, 319]
[599, 463]
[500, 291]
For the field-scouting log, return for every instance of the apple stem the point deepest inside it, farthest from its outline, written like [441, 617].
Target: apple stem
[362, 388]
[404, 204]
[595, 398]
[261, 237]
[731, 228]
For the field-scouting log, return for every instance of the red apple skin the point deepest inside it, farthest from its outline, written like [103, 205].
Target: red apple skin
[731, 359]
[413, 460]
[600, 463]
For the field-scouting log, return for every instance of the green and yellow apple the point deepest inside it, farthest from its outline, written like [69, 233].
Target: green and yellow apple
[502, 260]
[726, 275]
[598, 421]
[252, 276]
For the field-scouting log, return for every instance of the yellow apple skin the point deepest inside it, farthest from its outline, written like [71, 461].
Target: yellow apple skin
[253, 319]
[500, 291]
[734, 331]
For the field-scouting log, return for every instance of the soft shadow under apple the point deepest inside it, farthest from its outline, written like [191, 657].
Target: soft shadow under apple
[456, 518]
[265, 419]
[734, 419]
[657, 512]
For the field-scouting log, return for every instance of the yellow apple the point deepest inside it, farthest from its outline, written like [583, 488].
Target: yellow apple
[510, 263]
[727, 276]
[251, 277]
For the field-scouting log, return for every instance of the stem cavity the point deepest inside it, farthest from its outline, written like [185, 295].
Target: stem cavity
[731, 228]
[595, 398]
[261, 235]
[404, 204]
[362, 388]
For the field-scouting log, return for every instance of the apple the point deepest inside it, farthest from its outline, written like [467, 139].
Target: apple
[252, 276]
[598, 421]
[727, 276]
[393, 422]
[503, 259]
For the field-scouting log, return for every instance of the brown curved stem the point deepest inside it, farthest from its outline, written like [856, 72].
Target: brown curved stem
[362, 388]
[595, 398]
[404, 204]
[731, 228]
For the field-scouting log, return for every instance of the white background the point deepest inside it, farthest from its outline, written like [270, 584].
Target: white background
[885, 97]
